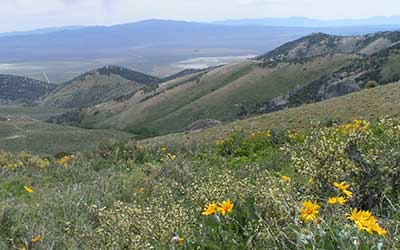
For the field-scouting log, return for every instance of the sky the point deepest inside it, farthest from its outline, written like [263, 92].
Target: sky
[18, 15]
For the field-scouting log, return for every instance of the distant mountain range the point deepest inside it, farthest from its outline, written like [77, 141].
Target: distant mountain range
[40, 31]
[151, 46]
[308, 22]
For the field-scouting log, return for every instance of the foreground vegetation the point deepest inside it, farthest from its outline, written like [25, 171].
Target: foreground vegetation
[335, 186]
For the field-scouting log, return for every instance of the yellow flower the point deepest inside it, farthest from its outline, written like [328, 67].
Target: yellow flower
[285, 178]
[343, 186]
[337, 200]
[36, 239]
[180, 241]
[309, 211]
[28, 189]
[225, 207]
[23, 247]
[365, 221]
[141, 189]
[164, 149]
[220, 142]
[311, 180]
[171, 156]
[210, 209]
[348, 193]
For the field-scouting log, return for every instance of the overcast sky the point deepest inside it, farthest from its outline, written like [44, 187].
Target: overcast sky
[31, 14]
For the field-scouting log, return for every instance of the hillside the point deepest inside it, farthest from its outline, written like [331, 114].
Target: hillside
[22, 90]
[99, 86]
[22, 133]
[320, 44]
[314, 68]
[225, 93]
[377, 69]
[368, 104]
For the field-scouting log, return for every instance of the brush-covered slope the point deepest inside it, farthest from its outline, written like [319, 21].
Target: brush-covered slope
[324, 70]
[377, 69]
[99, 86]
[319, 44]
[22, 90]
[22, 133]
[226, 93]
[368, 104]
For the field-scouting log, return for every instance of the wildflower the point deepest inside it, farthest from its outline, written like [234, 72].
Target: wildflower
[220, 142]
[343, 186]
[164, 149]
[171, 156]
[225, 207]
[309, 211]
[311, 180]
[23, 247]
[285, 178]
[28, 189]
[337, 200]
[177, 240]
[141, 190]
[210, 209]
[365, 221]
[37, 238]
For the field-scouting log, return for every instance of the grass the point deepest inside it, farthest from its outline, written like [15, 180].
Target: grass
[20, 134]
[226, 94]
[370, 104]
[124, 196]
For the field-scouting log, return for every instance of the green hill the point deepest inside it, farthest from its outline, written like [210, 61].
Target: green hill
[314, 68]
[369, 104]
[99, 86]
[22, 90]
[22, 133]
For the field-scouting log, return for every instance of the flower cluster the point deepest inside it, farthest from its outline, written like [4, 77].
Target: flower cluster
[65, 160]
[365, 221]
[354, 127]
[165, 155]
[223, 208]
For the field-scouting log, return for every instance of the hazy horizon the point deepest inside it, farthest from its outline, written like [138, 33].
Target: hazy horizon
[23, 15]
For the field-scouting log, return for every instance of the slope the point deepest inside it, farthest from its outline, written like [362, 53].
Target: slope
[22, 90]
[369, 104]
[99, 86]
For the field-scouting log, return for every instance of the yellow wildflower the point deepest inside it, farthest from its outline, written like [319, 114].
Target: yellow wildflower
[28, 189]
[309, 211]
[365, 221]
[210, 209]
[311, 180]
[180, 241]
[164, 149]
[225, 207]
[343, 186]
[141, 190]
[285, 178]
[337, 200]
[37, 238]
[171, 156]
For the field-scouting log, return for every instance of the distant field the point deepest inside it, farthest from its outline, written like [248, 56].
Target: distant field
[25, 134]
[369, 104]
[25, 131]
[38, 113]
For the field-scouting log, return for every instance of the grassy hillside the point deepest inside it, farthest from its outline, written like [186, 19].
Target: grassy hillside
[369, 104]
[20, 133]
[250, 191]
[99, 86]
[226, 93]
[23, 90]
